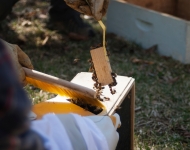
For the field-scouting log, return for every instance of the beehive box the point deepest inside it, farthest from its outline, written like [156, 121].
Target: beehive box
[148, 22]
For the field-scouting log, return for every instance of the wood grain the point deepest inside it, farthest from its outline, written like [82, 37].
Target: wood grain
[178, 8]
[102, 66]
[165, 6]
[183, 10]
[59, 82]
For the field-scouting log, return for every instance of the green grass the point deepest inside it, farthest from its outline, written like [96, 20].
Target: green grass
[162, 119]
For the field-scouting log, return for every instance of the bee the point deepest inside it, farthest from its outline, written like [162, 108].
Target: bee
[90, 60]
[114, 74]
[108, 53]
[113, 92]
[107, 98]
[76, 60]
[96, 85]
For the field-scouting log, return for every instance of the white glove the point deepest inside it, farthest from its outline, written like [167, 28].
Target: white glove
[105, 124]
[96, 131]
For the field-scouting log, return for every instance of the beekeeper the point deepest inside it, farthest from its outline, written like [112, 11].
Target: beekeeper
[52, 132]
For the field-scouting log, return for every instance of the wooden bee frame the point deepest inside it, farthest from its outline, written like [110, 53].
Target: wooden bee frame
[102, 66]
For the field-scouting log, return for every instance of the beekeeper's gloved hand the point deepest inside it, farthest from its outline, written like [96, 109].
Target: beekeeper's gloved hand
[19, 59]
[94, 8]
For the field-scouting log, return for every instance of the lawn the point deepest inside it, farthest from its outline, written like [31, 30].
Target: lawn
[162, 119]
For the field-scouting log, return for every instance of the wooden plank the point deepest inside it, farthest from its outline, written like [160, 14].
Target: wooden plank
[127, 114]
[179, 8]
[132, 115]
[102, 66]
[165, 6]
[126, 131]
[183, 10]
[58, 83]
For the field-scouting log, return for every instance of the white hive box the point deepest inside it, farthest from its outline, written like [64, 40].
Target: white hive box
[148, 27]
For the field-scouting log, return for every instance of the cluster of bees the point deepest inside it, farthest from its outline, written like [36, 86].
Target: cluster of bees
[98, 86]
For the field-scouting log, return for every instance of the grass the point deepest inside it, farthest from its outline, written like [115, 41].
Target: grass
[162, 120]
